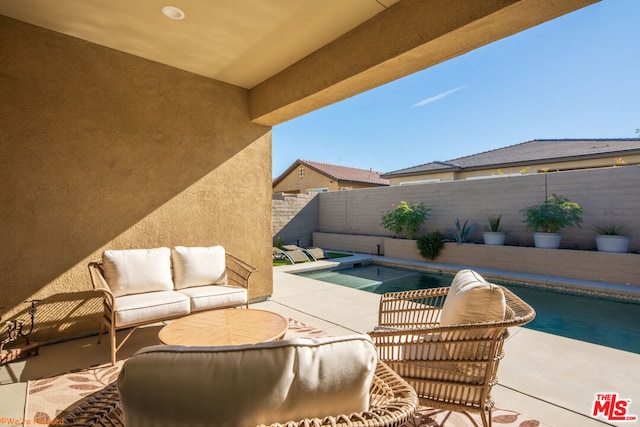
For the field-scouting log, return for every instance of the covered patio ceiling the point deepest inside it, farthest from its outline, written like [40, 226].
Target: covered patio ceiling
[293, 56]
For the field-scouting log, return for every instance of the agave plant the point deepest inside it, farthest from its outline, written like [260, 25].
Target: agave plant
[462, 232]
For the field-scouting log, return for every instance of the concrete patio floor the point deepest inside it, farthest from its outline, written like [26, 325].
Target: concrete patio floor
[546, 377]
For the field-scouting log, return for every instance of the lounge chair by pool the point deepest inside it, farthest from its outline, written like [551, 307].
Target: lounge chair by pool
[293, 256]
[313, 253]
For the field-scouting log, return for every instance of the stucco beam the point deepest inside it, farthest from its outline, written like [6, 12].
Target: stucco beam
[409, 36]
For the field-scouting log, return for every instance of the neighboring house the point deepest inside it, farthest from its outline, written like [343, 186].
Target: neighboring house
[540, 155]
[305, 176]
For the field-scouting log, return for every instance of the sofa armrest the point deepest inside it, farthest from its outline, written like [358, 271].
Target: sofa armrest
[100, 284]
[238, 271]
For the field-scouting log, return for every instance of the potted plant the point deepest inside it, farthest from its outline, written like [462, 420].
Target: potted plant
[495, 235]
[612, 237]
[547, 219]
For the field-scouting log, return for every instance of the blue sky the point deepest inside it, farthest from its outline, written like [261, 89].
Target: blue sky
[577, 76]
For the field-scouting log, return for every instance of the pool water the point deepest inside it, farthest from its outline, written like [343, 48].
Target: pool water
[593, 319]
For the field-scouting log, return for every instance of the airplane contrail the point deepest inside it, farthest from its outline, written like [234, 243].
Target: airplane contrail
[438, 97]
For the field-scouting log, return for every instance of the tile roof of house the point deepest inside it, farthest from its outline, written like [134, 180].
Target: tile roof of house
[338, 173]
[529, 153]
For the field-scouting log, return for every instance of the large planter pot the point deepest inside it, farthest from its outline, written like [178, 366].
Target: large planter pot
[612, 243]
[494, 237]
[547, 240]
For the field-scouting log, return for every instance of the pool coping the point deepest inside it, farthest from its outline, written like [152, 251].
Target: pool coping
[616, 291]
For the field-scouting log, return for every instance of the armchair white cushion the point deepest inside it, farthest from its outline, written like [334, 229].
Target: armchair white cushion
[471, 299]
[247, 385]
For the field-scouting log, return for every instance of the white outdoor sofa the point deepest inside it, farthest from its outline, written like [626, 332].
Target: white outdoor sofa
[144, 286]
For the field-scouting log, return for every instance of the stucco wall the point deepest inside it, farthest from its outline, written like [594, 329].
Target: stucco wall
[102, 149]
[610, 194]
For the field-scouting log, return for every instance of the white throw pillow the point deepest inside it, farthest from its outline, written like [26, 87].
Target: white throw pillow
[134, 271]
[471, 299]
[199, 266]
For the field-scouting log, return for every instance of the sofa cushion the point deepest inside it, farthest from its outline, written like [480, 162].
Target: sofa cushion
[471, 299]
[133, 271]
[247, 385]
[215, 296]
[198, 266]
[150, 307]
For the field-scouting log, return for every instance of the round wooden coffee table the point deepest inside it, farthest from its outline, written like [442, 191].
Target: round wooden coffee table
[231, 326]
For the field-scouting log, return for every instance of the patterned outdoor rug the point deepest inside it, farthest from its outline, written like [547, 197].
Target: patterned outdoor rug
[48, 399]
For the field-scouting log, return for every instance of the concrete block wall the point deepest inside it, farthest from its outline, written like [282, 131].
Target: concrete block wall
[295, 218]
[610, 194]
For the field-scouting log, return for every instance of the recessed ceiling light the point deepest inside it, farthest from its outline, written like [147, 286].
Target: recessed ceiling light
[173, 12]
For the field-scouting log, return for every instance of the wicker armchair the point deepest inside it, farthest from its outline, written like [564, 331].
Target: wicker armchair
[392, 403]
[451, 367]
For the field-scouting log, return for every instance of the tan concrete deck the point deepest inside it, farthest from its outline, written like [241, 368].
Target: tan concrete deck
[546, 377]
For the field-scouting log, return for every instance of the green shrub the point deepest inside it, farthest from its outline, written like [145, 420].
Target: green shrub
[430, 244]
[406, 219]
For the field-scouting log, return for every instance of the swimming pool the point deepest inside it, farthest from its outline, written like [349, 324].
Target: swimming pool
[563, 312]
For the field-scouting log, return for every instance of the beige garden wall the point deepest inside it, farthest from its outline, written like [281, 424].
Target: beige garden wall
[101, 149]
[294, 218]
[611, 194]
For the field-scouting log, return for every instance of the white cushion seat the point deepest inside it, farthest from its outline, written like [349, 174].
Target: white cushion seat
[150, 306]
[214, 296]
